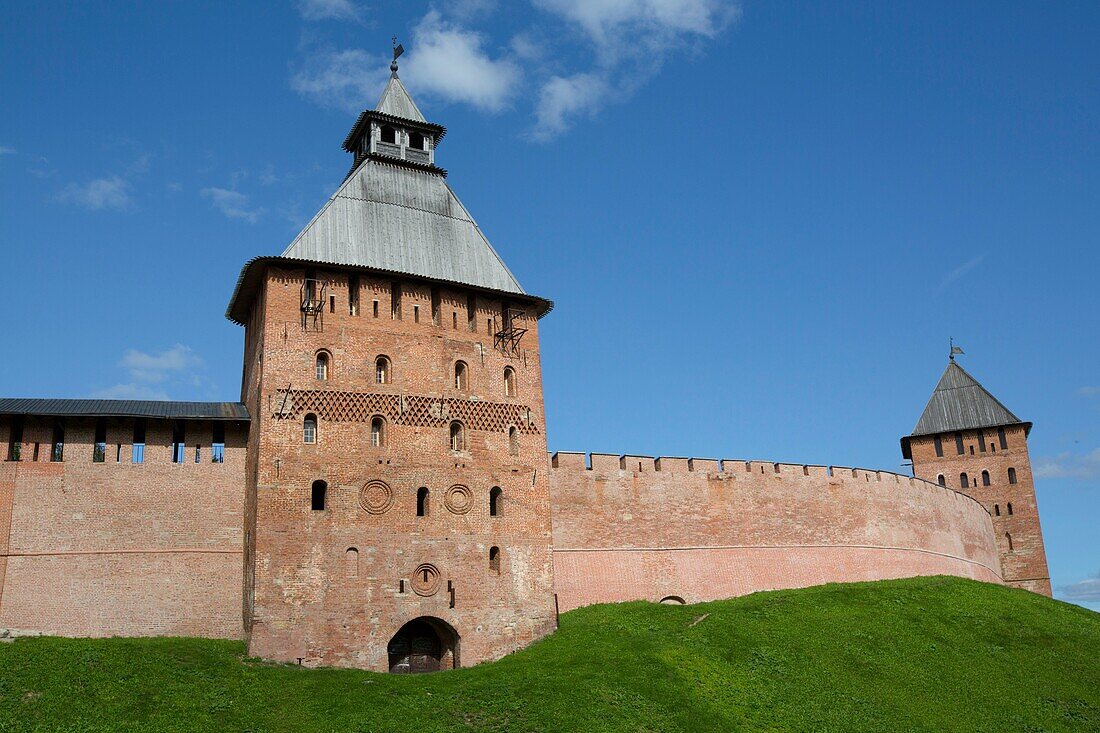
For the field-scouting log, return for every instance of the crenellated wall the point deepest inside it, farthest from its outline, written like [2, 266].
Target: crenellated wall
[689, 529]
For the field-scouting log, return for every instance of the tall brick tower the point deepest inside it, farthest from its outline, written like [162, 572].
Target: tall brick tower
[967, 439]
[398, 513]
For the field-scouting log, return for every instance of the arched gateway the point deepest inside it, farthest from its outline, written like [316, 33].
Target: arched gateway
[425, 644]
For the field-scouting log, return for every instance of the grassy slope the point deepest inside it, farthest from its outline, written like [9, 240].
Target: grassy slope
[935, 654]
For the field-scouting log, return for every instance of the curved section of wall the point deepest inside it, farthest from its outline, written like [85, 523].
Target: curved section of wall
[638, 528]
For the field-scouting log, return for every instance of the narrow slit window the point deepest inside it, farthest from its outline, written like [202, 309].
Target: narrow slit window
[395, 301]
[99, 450]
[321, 371]
[353, 295]
[332, 304]
[416, 314]
[217, 444]
[461, 378]
[959, 443]
[57, 451]
[513, 441]
[996, 510]
[458, 440]
[1011, 475]
[198, 454]
[382, 370]
[509, 382]
[437, 303]
[422, 501]
[309, 429]
[375, 307]
[941, 480]
[377, 432]
[981, 441]
[1002, 438]
[15, 439]
[351, 562]
[1008, 539]
[494, 560]
[317, 496]
[471, 312]
[939, 446]
[964, 481]
[496, 496]
[985, 478]
[1009, 508]
[178, 442]
[454, 320]
[137, 452]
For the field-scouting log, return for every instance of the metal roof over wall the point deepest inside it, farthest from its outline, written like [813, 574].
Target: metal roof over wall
[124, 408]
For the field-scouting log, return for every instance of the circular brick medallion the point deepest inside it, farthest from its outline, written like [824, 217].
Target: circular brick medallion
[376, 497]
[458, 499]
[425, 580]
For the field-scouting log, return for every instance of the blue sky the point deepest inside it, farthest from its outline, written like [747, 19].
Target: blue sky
[760, 222]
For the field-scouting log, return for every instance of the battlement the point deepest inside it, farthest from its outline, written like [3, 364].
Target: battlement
[730, 469]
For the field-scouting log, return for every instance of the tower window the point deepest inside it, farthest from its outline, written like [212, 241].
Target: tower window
[416, 140]
[436, 305]
[321, 371]
[382, 370]
[317, 496]
[458, 439]
[309, 429]
[959, 443]
[389, 135]
[941, 480]
[15, 439]
[496, 496]
[981, 441]
[964, 481]
[939, 446]
[1010, 508]
[513, 441]
[377, 432]
[217, 444]
[353, 295]
[57, 453]
[1008, 539]
[137, 452]
[494, 560]
[1002, 438]
[985, 478]
[351, 562]
[461, 379]
[422, 502]
[178, 441]
[99, 450]
[1011, 475]
[509, 382]
[395, 301]
[996, 510]
[374, 308]
[471, 312]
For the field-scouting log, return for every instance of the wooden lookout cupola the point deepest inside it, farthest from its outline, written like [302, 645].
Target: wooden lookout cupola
[395, 130]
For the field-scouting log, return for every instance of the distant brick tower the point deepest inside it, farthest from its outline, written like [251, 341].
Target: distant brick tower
[398, 513]
[966, 439]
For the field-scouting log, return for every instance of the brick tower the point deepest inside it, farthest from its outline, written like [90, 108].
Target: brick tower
[398, 513]
[967, 439]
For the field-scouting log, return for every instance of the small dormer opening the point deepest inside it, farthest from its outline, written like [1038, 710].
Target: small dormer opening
[416, 141]
[389, 134]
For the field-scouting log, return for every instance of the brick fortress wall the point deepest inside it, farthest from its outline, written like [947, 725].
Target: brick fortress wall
[117, 548]
[636, 528]
[333, 586]
[990, 466]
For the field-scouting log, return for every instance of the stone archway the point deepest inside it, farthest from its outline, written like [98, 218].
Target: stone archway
[425, 644]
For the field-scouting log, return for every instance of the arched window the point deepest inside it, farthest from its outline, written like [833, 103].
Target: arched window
[996, 510]
[985, 478]
[382, 371]
[494, 560]
[317, 496]
[672, 601]
[513, 441]
[1010, 508]
[496, 496]
[1008, 539]
[941, 480]
[458, 438]
[416, 140]
[509, 382]
[309, 429]
[389, 135]
[461, 379]
[1012, 475]
[422, 502]
[377, 432]
[322, 365]
[351, 563]
[964, 481]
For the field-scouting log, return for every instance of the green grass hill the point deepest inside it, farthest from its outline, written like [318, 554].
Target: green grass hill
[927, 654]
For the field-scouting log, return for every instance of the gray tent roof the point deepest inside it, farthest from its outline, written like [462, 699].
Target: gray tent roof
[124, 408]
[397, 219]
[396, 101]
[960, 402]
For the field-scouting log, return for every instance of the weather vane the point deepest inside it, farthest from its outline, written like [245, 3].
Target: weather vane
[398, 49]
[954, 350]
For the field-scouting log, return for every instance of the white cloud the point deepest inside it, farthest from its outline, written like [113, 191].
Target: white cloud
[349, 80]
[1069, 465]
[1083, 591]
[450, 62]
[99, 193]
[233, 204]
[606, 21]
[329, 10]
[5, 150]
[1089, 391]
[145, 367]
[563, 99]
[131, 392]
[959, 272]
